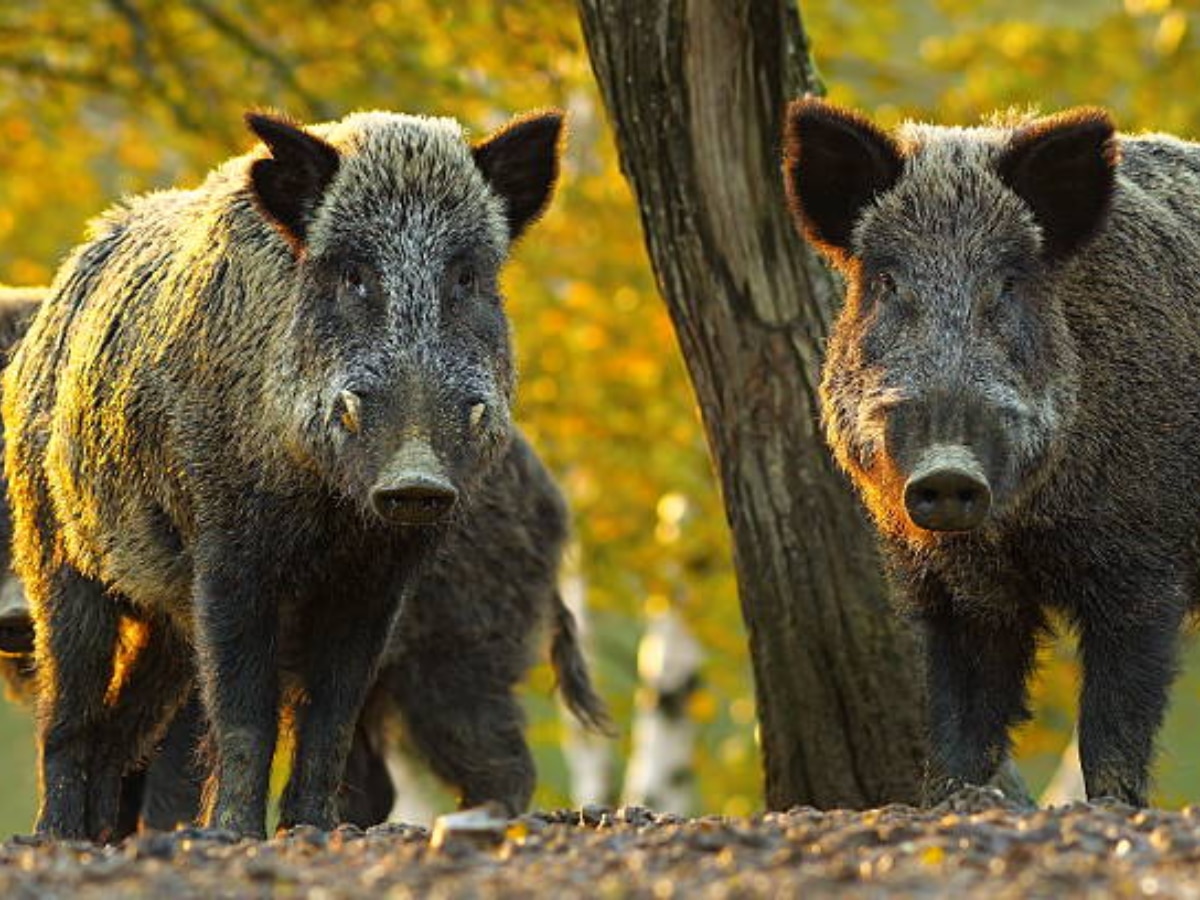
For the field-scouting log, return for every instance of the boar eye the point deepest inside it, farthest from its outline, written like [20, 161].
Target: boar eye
[998, 294]
[465, 280]
[885, 284]
[354, 281]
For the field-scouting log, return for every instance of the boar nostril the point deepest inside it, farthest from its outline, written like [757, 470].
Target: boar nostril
[420, 500]
[947, 499]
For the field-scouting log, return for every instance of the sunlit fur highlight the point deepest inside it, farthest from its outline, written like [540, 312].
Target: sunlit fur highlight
[170, 423]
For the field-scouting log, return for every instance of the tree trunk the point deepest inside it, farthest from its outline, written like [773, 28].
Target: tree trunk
[696, 91]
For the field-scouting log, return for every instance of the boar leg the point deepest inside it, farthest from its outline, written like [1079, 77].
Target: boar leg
[76, 639]
[1128, 667]
[164, 791]
[235, 640]
[460, 714]
[342, 658]
[977, 673]
[129, 809]
[174, 778]
[153, 681]
[367, 795]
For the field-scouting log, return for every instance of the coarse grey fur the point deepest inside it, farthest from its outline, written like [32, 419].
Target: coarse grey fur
[170, 789]
[462, 643]
[1023, 297]
[237, 425]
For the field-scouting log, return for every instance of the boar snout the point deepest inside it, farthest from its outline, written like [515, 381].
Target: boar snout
[16, 626]
[413, 489]
[418, 500]
[947, 491]
[16, 636]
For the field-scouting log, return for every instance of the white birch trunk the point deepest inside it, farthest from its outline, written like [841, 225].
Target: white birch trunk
[1067, 783]
[661, 771]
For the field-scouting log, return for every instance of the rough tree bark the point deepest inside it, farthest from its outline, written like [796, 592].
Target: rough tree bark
[696, 91]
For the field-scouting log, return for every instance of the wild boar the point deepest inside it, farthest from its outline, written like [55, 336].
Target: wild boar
[1012, 385]
[240, 424]
[458, 649]
[461, 644]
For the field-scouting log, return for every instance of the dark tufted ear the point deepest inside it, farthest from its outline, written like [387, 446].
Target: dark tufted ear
[835, 162]
[1064, 167]
[288, 185]
[520, 162]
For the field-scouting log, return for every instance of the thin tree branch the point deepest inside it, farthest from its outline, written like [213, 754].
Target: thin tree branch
[36, 67]
[147, 69]
[281, 67]
[142, 60]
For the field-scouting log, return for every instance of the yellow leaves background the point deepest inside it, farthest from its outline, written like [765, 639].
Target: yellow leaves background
[100, 98]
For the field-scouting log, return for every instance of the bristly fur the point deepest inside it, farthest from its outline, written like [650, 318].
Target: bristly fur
[460, 646]
[18, 306]
[1024, 294]
[175, 458]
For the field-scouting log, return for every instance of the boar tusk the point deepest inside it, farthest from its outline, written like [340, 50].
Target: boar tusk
[477, 411]
[351, 411]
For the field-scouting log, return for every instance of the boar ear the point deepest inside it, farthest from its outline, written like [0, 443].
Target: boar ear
[289, 183]
[520, 162]
[1064, 167]
[834, 163]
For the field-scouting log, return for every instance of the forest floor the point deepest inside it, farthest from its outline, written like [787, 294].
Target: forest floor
[973, 845]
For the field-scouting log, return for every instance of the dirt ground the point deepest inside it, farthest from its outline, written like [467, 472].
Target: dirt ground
[972, 845]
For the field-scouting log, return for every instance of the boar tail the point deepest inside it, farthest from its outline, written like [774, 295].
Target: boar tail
[574, 682]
